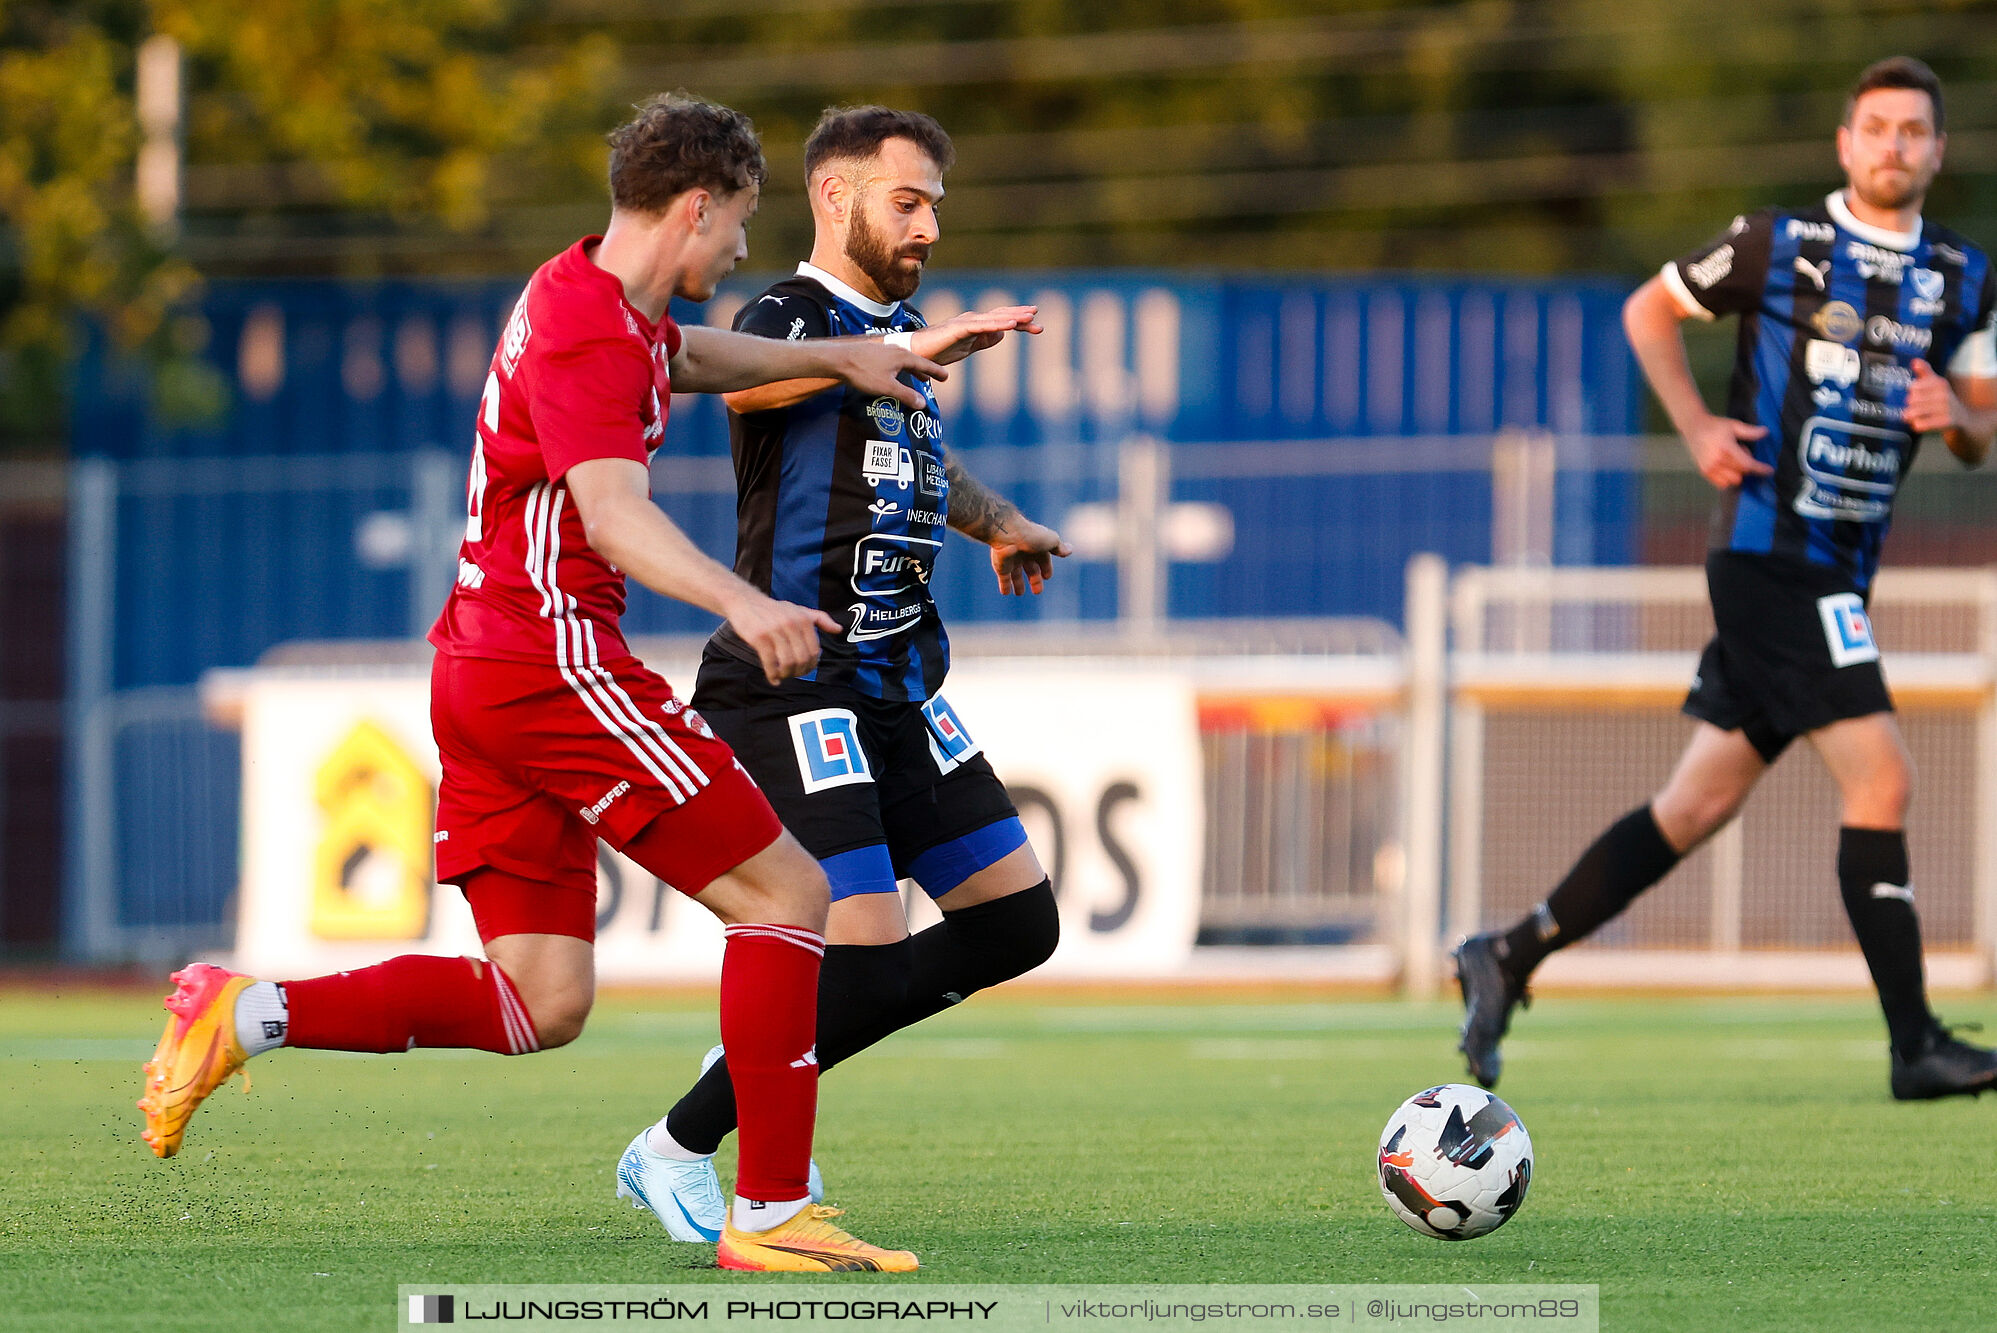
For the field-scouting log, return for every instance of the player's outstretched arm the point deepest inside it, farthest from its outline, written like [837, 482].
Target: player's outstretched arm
[1651, 318]
[718, 361]
[624, 527]
[1962, 407]
[1022, 551]
[945, 343]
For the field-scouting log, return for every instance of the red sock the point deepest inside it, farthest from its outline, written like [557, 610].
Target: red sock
[769, 1015]
[414, 1000]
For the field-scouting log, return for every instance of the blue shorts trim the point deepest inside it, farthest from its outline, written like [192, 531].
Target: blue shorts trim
[862, 870]
[943, 867]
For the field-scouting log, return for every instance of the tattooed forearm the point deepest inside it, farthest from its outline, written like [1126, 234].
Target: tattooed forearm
[975, 510]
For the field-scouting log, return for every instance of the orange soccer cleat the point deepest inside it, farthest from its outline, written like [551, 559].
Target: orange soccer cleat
[197, 1052]
[808, 1243]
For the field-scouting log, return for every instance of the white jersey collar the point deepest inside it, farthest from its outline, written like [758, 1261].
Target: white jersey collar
[807, 269]
[1904, 241]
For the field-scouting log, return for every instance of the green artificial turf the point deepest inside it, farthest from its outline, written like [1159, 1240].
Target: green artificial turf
[1710, 1163]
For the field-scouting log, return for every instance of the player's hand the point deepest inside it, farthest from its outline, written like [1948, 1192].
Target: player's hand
[1931, 402]
[974, 331]
[875, 369]
[1717, 451]
[784, 635]
[1023, 556]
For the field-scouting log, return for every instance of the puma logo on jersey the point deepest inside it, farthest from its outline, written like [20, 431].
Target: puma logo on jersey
[1817, 273]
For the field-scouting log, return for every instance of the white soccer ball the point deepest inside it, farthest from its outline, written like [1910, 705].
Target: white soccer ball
[1455, 1162]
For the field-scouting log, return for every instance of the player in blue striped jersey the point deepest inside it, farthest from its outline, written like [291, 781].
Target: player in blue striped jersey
[1862, 328]
[843, 504]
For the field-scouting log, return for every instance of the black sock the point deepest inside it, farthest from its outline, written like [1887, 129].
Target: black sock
[1629, 857]
[1879, 898]
[866, 992]
[976, 947]
[857, 984]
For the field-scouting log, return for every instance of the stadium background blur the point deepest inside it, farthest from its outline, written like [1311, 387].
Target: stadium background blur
[1325, 291]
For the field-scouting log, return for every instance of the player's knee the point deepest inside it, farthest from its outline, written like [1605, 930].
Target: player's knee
[559, 1018]
[783, 886]
[1881, 801]
[1013, 934]
[1040, 925]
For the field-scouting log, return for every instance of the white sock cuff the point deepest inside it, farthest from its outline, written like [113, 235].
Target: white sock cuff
[809, 940]
[263, 1018]
[661, 1141]
[761, 1215]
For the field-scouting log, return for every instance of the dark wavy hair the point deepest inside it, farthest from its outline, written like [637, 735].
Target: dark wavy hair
[857, 133]
[676, 143]
[1897, 72]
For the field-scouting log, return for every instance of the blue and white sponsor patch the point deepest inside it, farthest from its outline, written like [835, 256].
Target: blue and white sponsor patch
[949, 744]
[1847, 629]
[828, 747]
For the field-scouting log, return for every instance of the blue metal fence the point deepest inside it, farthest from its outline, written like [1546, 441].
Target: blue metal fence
[323, 502]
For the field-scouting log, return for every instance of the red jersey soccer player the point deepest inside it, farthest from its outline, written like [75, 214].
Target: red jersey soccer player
[552, 734]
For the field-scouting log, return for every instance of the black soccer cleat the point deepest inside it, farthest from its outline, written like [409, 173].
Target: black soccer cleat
[1489, 996]
[1944, 1067]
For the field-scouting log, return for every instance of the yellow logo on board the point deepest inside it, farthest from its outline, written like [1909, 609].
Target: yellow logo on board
[371, 872]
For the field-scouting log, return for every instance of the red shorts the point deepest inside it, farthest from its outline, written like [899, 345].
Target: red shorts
[541, 761]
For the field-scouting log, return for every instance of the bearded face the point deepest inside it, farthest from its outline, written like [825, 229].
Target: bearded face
[895, 265]
[1890, 149]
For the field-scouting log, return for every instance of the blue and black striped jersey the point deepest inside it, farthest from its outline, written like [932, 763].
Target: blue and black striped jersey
[842, 502]
[1833, 314]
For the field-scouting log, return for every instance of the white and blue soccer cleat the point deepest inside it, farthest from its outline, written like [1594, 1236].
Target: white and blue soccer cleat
[685, 1195]
[814, 1183]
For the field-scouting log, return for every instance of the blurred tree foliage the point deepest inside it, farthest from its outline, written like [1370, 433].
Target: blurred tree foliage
[391, 112]
[365, 137]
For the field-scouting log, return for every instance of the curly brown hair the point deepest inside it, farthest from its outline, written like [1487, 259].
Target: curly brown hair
[857, 132]
[678, 142]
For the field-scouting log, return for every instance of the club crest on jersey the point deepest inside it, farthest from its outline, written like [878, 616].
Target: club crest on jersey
[1927, 283]
[886, 414]
[949, 744]
[1847, 629]
[1838, 322]
[827, 742]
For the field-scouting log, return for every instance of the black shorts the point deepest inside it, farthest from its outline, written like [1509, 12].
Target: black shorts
[1794, 651]
[876, 790]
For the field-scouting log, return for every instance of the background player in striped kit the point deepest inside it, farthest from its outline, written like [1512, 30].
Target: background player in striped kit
[843, 502]
[1845, 309]
[552, 734]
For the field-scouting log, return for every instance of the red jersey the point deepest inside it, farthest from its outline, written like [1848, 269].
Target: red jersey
[578, 374]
